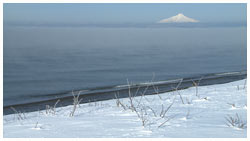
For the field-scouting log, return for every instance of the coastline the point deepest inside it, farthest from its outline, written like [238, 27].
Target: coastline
[178, 114]
[107, 94]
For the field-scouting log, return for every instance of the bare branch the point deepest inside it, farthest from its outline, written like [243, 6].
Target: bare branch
[76, 102]
[235, 121]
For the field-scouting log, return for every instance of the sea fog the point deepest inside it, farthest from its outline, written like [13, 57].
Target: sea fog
[41, 60]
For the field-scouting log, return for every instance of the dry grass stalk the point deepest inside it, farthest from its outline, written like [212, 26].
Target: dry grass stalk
[76, 102]
[153, 111]
[163, 112]
[169, 118]
[176, 89]
[149, 101]
[131, 97]
[20, 115]
[118, 102]
[156, 89]
[196, 84]
[245, 84]
[137, 91]
[51, 110]
[56, 104]
[180, 96]
[142, 115]
[139, 103]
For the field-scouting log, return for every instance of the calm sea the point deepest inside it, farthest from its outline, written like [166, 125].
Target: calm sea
[42, 61]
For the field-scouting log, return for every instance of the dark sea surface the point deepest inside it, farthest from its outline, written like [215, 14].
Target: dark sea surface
[44, 62]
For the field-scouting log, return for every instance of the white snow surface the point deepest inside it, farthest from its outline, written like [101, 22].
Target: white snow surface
[180, 18]
[202, 116]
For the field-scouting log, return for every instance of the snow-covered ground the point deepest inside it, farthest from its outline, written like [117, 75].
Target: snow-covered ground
[164, 115]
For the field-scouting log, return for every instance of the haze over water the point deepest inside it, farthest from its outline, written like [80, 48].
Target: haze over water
[41, 60]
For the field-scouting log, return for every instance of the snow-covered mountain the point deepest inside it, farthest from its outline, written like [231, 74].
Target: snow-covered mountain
[180, 18]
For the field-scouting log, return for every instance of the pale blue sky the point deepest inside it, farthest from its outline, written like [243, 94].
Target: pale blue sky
[121, 13]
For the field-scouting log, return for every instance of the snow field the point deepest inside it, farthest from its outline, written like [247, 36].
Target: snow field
[157, 116]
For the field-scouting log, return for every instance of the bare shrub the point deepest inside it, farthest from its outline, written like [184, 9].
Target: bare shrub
[137, 91]
[131, 98]
[196, 84]
[47, 109]
[20, 115]
[76, 102]
[142, 115]
[56, 104]
[156, 89]
[162, 99]
[235, 121]
[180, 97]
[153, 111]
[51, 109]
[139, 102]
[137, 105]
[139, 110]
[168, 119]
[118, 102]
[163, 112]
[149, 101]
[176, 90]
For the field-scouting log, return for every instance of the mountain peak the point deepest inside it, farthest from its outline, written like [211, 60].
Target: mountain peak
[179, 18]
[180, 14]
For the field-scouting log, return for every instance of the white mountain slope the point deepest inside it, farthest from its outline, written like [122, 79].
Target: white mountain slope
[180, 18]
